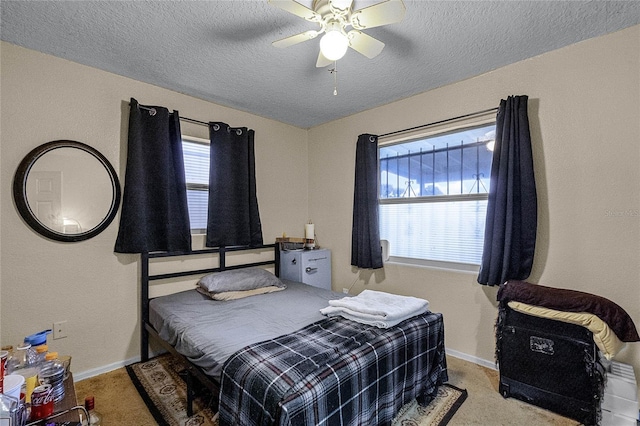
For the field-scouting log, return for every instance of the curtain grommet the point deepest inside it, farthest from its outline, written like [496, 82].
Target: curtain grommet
[237, 130]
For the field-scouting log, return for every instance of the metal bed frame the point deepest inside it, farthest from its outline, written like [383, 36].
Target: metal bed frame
[146, 329]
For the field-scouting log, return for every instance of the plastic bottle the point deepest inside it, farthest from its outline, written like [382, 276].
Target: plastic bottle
[41, 353]
[51, 372]
[95, 418]
[19, 358]
[32, 356]
[23, 362]
[51, 356]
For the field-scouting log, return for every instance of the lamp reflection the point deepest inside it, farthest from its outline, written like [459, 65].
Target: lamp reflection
[71, 226]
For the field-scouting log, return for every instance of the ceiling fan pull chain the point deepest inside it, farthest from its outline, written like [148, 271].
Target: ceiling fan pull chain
[334, 71]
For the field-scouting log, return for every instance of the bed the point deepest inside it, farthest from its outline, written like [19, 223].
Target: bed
[273, 358]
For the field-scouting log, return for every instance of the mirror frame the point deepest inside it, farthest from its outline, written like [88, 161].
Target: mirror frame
[22, 204]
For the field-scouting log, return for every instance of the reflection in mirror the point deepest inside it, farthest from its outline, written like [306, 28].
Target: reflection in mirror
[87, 193]
[66, 190]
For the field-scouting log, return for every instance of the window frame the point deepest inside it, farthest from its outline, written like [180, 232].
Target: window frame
[442, 128]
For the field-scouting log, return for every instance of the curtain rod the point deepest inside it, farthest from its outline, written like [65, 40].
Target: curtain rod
[202, 123]
[152, 111]
[439, 122]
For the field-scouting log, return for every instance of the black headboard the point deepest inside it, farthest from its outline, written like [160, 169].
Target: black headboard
[146, 278]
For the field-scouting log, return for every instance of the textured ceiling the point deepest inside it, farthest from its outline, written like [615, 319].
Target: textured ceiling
[221, 51]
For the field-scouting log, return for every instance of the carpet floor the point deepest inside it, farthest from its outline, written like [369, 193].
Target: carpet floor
[120, 403]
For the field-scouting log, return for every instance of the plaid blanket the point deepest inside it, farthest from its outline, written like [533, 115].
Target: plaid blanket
[335, 372]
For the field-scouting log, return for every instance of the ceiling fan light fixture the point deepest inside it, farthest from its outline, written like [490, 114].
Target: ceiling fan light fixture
[334, 44]
[334, 18]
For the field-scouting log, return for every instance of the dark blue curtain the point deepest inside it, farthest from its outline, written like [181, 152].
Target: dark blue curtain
[366, 251]
[233, 216]
[154, 214]
[510, 228]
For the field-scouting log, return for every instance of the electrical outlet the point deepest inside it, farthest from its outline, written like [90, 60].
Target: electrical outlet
[59, 330]
[345, 290]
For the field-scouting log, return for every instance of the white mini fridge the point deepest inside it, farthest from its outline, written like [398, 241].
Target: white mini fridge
[312, 267]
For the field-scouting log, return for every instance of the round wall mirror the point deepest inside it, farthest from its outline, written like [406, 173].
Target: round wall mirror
[66, 191]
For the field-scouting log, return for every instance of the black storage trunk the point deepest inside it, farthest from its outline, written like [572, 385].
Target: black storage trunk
[548, 363]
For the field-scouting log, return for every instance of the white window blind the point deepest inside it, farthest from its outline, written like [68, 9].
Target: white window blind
[441, 231]
[196, 168]
[433, 194]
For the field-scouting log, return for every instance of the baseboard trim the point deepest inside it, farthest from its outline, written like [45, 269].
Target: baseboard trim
[104, 369]
[110, 367]
[483, 362]
[114, 366]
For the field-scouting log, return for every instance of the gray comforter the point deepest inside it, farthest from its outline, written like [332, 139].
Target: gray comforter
[207, 331]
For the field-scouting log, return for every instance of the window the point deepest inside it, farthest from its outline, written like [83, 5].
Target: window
[433, 195]
[196, 169]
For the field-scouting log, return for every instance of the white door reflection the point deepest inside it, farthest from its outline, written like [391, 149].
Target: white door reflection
[44, 191]
[69, 190]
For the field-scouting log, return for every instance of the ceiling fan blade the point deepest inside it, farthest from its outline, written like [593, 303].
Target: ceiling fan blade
[387, 12]
[297, 9]
[340, 7]
[322, 61]
[295, 39]
[364, 44]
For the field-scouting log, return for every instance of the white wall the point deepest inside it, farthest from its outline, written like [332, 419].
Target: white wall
[95, 290]
[584, 108]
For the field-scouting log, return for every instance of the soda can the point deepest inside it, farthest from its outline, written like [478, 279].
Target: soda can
[3, 360]
[41, 402]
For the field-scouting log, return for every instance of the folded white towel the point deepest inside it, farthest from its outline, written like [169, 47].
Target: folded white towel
[377, 321]
[382, 304]
[377, 308]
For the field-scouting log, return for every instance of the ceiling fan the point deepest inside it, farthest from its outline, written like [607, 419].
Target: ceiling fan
[334, 17]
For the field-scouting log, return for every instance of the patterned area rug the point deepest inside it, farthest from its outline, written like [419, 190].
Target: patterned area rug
[163, 389]
[437, 413]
